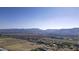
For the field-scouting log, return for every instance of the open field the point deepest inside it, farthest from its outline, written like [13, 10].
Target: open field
[38, 44]
[13, 44]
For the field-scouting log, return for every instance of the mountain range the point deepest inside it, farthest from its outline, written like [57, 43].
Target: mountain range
[36, 31]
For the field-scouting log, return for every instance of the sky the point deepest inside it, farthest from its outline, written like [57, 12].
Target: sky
[39, 17]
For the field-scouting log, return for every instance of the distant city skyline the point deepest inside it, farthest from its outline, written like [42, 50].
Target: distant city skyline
[39, 17]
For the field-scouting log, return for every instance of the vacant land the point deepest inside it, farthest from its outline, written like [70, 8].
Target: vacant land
[38, 44]
[13, 44]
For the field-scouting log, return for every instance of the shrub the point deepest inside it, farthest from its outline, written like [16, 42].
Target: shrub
[38, 49]
[67, 44]
[0, 35]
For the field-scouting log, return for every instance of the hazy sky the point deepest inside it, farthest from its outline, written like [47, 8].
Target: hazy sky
[43, 18]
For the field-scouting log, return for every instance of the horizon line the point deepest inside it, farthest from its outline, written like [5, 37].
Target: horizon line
[41, 28]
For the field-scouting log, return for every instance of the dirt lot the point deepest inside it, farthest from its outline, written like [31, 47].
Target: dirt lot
[13, 44]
